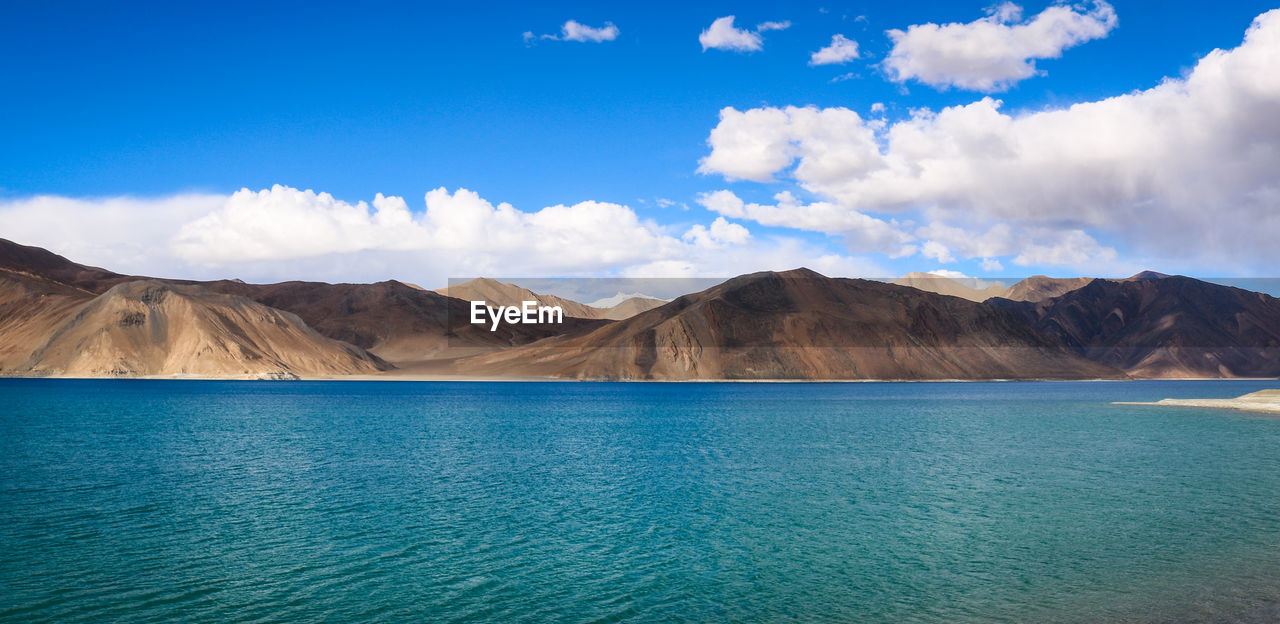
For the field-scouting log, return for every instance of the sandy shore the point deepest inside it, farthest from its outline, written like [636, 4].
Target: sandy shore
[1264, 401]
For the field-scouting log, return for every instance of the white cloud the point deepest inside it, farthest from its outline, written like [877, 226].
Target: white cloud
[1030, 244]
[994, 52]
[286, 233]
[936, 251]
[125, 234]
[723, 35]
[720, 234]
[284, 223]
[841, 50]
[1189, 168]
[862, 233]
[573, 30]
[991, 264]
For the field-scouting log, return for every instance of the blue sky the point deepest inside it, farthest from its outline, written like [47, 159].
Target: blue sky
[157, 101]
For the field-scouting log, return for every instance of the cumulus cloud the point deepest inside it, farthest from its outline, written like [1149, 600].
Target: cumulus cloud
[841, 50]
[994, 52]
[573, 30]
[862, 233]
[1188, 168]
[284, 223]
[718, 235]
[723, 35]
[287, 233]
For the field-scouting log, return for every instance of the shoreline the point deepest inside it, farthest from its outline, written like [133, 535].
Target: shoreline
[520, 379]
[1262, 402]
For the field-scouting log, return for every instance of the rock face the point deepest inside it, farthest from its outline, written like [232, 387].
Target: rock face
[802, 325]
[149, 327]
[31, 308]
[1160, 326]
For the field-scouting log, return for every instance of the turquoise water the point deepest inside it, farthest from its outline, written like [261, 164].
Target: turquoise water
[146, 501]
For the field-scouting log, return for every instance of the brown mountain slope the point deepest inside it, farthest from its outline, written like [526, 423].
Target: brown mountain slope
[802, 325]
[965, 288]
[155, 328]
[42, 263]
[631, 307]
[1153, 326]
[1039, 287]
[1034, 288]
[398, 322]
[31, 308]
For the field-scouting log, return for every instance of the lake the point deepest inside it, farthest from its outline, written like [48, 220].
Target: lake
[137, 501]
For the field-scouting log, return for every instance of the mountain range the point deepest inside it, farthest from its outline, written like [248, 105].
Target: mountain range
[61, 318]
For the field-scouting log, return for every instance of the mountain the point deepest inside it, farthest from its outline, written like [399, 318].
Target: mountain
[965, 288]
[1034, 288]
[500, 293]
[32, 307]
[396, 321]
[1163, 326]
[1039, 287]
[58, 317]
[46, 265]
[630, 307]
[494, 292]
[148, 327]
[801, 325]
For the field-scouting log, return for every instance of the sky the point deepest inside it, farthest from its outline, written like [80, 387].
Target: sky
[424, 141]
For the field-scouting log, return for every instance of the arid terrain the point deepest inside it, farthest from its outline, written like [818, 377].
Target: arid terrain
[60, 318]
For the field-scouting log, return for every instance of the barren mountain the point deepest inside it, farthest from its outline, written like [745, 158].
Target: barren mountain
[48, 266]
[1034, 288]
[502, 293]
[396, 321]
[802, 325]
[154, 328]
[965, 288]
[1159, 326]
[31, 308]
[1039, 287]
[631, 307]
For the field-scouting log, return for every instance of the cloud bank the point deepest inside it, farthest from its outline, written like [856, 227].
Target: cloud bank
[1188, 168]
[286, 233]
